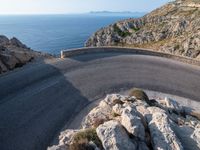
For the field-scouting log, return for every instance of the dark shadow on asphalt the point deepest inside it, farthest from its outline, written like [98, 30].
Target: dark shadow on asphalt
[33, 112]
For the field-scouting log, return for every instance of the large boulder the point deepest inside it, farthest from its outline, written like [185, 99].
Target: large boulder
[114, 137]
[3, 40]
[14, 53]
[97, 116]
[133, 123]
[163, 137]
[113, 99]
[196, 135]
[15, 42]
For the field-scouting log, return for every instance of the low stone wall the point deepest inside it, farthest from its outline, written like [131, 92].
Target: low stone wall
[88, 50]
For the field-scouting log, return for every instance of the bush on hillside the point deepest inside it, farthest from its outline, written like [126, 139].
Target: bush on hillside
[139, 94]
[81, 140]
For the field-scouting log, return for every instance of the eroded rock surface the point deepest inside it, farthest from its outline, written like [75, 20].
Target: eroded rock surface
[14, 53]
[125, 122]
[174, 28]
[114, 137]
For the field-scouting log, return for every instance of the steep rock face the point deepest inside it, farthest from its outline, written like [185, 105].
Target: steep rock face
[173, 28]
[14, 54]
[114, 137]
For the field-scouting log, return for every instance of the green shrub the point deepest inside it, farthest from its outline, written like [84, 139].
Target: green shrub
[120, 32]
[176, 47]
[139, 94]
[135, 29]
[81, 140]
[115, 114]
[81, 145]
[98, 121]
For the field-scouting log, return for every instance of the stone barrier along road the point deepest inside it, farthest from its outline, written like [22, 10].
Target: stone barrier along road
[87, 50]
[37, 100]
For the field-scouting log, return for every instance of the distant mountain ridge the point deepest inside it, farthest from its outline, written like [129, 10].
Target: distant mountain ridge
[134, 14]
[173, 28]
[113, 12]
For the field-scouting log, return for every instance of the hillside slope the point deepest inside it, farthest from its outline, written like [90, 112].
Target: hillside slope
[173, 28]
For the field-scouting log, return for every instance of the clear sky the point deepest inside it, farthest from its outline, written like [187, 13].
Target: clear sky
[76, 6]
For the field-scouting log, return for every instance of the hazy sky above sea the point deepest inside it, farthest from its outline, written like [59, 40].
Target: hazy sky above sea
[76, 6]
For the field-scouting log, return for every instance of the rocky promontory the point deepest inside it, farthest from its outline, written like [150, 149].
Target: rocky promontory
[173, 28]
[14, 53]
[135, 122]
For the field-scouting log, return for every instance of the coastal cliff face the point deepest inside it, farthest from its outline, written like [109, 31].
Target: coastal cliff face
[14, 54]
[174, 28]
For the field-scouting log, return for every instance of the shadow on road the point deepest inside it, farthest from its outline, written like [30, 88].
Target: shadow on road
[35, 103]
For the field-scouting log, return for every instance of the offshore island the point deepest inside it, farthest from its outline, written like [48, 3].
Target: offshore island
[69, 99]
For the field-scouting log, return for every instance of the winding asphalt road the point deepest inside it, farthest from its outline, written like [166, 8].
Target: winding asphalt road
[37, 100]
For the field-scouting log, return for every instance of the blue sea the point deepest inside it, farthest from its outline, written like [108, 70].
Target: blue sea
[53, 33]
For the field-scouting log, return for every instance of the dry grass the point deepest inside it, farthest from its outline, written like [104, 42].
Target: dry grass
[81, 140]
[98, 121]
[139, 94]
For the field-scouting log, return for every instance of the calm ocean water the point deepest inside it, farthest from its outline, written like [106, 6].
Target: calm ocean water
[52, 33]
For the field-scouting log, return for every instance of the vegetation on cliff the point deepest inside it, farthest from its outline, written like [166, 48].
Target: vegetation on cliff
[174, 28]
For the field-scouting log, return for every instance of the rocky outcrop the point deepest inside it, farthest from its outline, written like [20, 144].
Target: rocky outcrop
[132, 122]
[162, 134]
[114, 137]
[14, 54]
[174, 28]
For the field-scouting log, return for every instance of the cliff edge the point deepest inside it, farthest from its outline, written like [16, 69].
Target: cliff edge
[173, 28]
[14, 53]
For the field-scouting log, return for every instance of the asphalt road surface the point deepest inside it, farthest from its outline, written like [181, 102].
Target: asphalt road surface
[36, 101]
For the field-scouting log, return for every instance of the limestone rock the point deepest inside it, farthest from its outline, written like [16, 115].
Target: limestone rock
[66, 136]
[162, 134]
[118, 109]
[172, 28]
[172, 105]
[97, 116]
[114, 137]
[196, 135]
[113, 99]
[137, 125]
[133, 124]
[58, 147]
[14, 54]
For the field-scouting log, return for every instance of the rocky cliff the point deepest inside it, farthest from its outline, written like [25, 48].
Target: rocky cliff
[14, 54]
[174, 28]
[135, 122]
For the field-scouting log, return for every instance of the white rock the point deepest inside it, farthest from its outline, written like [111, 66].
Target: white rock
[172, 105]
[163, 137]
[196, 136]
[142, 110]
[114, 137]
[65, 137]
[58, 147]
[113, 99]
[132, 122]
[99, 114]
[118, 109]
